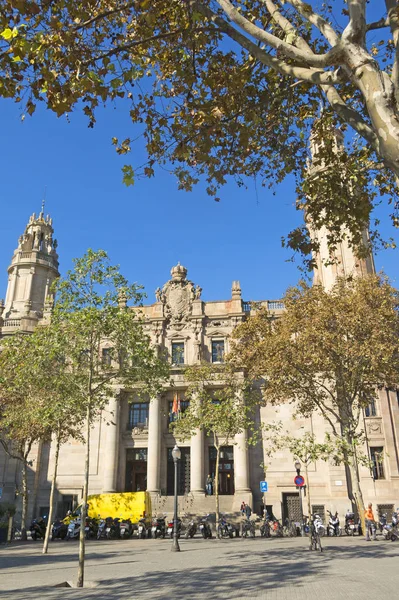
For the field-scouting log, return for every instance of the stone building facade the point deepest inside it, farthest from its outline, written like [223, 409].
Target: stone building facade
[132, 450]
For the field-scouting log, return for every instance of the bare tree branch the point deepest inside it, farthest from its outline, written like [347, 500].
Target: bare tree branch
[289, 50]
[322, 25]
[286, 26]
[316, 76]
[355, 31]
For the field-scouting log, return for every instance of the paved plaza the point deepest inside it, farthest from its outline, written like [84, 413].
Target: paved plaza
[275, 569]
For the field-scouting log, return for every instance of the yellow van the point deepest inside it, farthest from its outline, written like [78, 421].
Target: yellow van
[128, 505]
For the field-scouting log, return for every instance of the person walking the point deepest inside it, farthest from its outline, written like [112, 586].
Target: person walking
[242, 508]
[247, 511]
[370, 522]
[209, 486]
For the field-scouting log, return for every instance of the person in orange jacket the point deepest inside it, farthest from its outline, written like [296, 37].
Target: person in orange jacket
[370, 522]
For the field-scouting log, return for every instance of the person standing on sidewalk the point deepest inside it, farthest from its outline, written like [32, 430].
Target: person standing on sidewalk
[370, 522]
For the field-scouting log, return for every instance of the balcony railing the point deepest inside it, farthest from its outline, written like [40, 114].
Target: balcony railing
[269, 304]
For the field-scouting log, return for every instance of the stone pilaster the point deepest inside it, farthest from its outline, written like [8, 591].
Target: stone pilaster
[111, 448]
[241, 471]
[154, 446]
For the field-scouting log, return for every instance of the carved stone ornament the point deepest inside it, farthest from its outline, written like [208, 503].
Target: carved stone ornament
[177, 297]
[374, 427]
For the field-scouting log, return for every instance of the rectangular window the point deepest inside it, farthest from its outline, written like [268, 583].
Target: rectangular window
[371, 410]
[377, 459]
[106, 357]
[138, 414]
[178, 353]
[217, 351]
[182, 406]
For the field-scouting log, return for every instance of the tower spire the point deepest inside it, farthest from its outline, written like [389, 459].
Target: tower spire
[34, 266]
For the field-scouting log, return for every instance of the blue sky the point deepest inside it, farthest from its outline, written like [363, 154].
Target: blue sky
[146, 228]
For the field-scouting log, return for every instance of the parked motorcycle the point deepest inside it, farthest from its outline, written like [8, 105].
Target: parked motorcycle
[247, 527]
[351, 525]
[205, 528]
[333, 527]
[91, 528]
[191, 529]
[171, 528]
[73, 532]
[277, 528]
[38, 528]
[225, 529]
[142, 531]
[59, 530]
[158, 527]
[108, 529]
[265, 527]
[318, 525]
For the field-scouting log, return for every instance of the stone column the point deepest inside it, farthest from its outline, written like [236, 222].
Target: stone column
[154, 446]
[197, 463]
[111, 448]
[241, 463]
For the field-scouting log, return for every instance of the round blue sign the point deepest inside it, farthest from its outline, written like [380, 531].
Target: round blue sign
[299, 480]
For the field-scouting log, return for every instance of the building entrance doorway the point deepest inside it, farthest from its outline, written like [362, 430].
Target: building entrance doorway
[226, 469]
[136, 470]
[291, 507]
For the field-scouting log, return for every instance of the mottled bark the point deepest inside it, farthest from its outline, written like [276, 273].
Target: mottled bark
[53, 482]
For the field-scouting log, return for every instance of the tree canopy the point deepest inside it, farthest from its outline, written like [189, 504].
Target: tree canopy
[329, 353]
[224, 88]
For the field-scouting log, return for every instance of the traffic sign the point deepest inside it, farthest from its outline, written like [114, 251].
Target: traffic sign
[299, 480]
[263, 486]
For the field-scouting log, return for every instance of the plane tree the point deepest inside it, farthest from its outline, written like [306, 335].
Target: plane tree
[221, 89]
[329, 353]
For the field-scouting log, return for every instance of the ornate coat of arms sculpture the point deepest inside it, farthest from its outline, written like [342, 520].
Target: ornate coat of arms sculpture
[177, 296]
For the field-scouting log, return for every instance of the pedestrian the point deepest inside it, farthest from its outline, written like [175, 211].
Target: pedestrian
[242, 508]
[248, 511]
[370, 522]
[209, 485]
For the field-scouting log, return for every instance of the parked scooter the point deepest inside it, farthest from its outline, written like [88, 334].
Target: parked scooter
[91, 528]
[191, 529]
[351, 525]
[73, 530]
[247, 528]
[394, 528]
[205, 528]
[265, 527]
[38, 528]
[158, 528]
[59, 530]
[142, 531]
[333, 527]
[277, 528]
[108, 529]
[225, 529]
[171, 528]
[318, 525]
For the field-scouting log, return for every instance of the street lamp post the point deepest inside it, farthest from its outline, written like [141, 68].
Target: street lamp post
[298, 472]
[176, 455]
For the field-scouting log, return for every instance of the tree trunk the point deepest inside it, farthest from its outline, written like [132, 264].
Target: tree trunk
[83, 513]
[24, 474]
[357, 491]
[216, 487]
[9, 532]
[51, 510]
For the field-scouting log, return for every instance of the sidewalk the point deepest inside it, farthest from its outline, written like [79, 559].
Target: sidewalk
[274, 569]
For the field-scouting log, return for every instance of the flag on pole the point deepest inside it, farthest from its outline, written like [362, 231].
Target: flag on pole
[175, 405]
